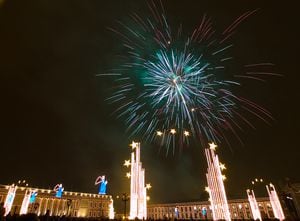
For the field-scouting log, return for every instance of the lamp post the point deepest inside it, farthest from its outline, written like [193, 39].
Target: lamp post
[125, 198]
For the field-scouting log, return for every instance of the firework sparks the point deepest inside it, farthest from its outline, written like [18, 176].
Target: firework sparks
[171, 85]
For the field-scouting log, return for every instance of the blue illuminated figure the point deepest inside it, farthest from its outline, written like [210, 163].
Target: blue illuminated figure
[32, 197]
[204, 211]
[59, 190]
[102, 187]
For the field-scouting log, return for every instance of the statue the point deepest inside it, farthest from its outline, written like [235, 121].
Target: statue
[59, 190]
[33, 196]
[102, 187]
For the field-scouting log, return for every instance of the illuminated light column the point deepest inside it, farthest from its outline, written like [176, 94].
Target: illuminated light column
[216, 189]
[10, 198]
[111, 214]
[26, 201]
[253, 205]
[275, 202]
[138, 196]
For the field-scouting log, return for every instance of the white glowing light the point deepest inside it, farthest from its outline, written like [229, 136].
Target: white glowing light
[126, 163]
[173, 131]
[128, 175]
[222, 166]
[148, 186]
[133, 144]
[186, 133]
[159, 133]
[212, 146]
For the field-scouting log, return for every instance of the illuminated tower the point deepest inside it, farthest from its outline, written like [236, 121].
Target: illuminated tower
[10, 198]
[138, 196]
[275, 203]
[253, 205]
[216, 189]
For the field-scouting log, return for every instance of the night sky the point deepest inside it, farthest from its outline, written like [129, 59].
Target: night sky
[56, 126]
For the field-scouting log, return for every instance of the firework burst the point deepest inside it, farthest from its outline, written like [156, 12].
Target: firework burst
[170, 86]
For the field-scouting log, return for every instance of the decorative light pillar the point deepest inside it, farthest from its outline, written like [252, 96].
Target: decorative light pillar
[138, 196]
[10, 198]
[111, 214]
[26, 201]
[253, 205]
[216, 189]
[275, 202]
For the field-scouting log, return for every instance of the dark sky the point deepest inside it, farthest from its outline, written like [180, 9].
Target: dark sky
[57, 128]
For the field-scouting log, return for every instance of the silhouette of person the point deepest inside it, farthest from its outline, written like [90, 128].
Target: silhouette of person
[2, 211]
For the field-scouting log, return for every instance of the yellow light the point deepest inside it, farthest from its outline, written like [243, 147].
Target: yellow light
[207, 189]
[126, 163]
[186, 133]
[148, 186]
[193, 109]
[256, 180]
[128, 175]
[159, 133]
[222, 166]
[224, 177]
[212, 146]
[173, 131]
[261, 180]
[148, 198]
[133, 144]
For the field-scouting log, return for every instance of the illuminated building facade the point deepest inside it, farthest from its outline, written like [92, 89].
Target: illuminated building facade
[216, 189]
[71, 203]
[138, 191]
[201, 210]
